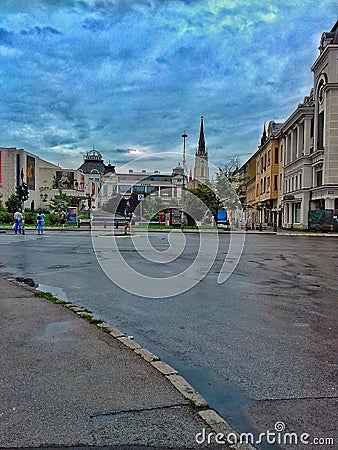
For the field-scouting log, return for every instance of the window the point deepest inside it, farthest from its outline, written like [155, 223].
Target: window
[268, 185]
[297, 211]
[269, 157]
[275, 182]
[319, 178]
[138, 189]
[276, 155]
[300, 181]
[124, 189]
[320, 138]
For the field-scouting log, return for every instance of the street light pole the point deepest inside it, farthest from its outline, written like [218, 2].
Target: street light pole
[22, 205]
[184, 136]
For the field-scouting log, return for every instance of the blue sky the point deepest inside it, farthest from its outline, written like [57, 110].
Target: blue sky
[128, 76]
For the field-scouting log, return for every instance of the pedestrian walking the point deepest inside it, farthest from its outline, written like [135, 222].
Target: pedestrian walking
[126, 226]
[63, 218]
[40, 222]
[18, 221]
[22, 224]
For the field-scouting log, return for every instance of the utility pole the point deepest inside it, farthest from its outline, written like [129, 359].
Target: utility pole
[184, 161]
[184, 136]
[24, 196]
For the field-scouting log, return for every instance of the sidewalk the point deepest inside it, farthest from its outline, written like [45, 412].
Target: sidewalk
[66, 382]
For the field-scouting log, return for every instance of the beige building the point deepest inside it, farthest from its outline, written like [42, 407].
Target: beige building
[42, 177]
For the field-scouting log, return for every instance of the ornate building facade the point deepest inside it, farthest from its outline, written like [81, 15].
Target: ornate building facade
[297, 161]
[311, 142]
[102, 182]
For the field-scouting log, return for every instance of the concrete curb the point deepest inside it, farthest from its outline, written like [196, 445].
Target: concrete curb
[208, 415]
[8, 230]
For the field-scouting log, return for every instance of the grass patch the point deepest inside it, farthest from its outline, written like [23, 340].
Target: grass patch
[90, 318]
[49, 296]
[85, 315]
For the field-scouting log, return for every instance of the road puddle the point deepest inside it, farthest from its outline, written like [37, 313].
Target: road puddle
[54, 290]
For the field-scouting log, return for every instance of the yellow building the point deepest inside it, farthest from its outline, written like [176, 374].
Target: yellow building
[264, 180]
[246, 181]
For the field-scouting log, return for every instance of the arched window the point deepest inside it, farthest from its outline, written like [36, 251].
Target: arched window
[321, 111]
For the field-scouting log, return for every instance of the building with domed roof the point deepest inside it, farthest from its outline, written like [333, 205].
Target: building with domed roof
[101, 182]
[93, 164]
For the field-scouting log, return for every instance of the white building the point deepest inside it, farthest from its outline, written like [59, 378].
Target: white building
[102, 182]
[311, 142]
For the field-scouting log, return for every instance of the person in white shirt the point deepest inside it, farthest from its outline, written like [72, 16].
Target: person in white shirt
[18, 221]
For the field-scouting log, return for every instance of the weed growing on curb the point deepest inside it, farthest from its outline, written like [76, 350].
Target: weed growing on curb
[85, 315]
[51, 298]
[90, 318]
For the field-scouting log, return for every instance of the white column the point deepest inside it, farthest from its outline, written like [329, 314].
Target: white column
[293, 149]
[299, 141]
[307, 134]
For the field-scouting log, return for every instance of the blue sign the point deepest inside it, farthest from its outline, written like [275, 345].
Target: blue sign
[221, 215]
[140, 197]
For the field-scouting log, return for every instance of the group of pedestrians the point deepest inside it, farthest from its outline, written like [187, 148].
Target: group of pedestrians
[19, 221]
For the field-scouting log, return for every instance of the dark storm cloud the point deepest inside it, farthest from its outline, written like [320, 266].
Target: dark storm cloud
[44, 31]
[6, 37]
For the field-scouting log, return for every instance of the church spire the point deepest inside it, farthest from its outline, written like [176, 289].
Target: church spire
[263, 138]
[201, 169]
[201, 150]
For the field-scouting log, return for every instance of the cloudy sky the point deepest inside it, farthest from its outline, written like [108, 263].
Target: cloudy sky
[128, 76]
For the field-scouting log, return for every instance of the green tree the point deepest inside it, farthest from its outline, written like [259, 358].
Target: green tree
[201, 201]
[228, 188]
[13, 203]
[60, 202]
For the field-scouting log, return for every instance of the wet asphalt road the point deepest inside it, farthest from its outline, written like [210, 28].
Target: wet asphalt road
[259, 347]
